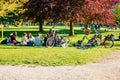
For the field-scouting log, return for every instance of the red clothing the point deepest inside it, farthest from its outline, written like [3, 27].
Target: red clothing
[86, 32]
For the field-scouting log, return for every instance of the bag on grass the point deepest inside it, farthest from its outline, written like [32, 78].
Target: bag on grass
[4, 41]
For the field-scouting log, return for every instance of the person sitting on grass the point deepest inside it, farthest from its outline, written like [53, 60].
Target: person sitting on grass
[13, 38]
[57, 39]
[30, 40]
[51, 33]
[94, 40]
[112, 37]
[45, 39]
[38, 40]
[24, 39]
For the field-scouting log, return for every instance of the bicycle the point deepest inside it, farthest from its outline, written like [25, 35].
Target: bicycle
[57, 41]
[107, 41]
[84, 42]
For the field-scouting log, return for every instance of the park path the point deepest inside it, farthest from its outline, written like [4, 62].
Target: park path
[106, 69]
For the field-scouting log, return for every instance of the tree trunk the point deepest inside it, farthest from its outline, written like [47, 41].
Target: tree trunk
[41, 25]
[71, 29]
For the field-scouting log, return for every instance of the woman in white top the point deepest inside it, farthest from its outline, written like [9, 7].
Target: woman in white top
[24, 39]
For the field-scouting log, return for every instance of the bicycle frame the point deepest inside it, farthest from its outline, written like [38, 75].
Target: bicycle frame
[53, 41]
[107, 42]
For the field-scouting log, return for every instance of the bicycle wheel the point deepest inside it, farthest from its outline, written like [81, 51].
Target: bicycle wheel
[50, 42]
[108, 43]
[65, 41]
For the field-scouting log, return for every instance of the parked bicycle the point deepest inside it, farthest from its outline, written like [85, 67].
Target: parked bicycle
[108, 41]
[56, 40]
[63, 41]
[96, 40]
[84, 42]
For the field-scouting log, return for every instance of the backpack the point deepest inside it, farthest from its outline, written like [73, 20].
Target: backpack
[4, 41]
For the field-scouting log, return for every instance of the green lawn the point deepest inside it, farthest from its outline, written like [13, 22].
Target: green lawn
[50, 56]
[56, 56]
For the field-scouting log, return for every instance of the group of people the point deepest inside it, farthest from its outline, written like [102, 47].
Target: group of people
[30, 40]
[27, 39]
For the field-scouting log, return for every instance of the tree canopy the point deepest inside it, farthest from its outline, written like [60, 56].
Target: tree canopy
[73, 11]
[86, 11]
[10, 10]
[39, 10]
[7, 6]
[117, 14]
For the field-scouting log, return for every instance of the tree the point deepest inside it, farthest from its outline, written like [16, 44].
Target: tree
[10, 10]
[99, 11]
[73, 11]
[85, 11]
[117, 14]
[39, 11]
[68, 11]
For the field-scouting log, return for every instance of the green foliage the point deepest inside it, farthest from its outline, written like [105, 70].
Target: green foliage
[10, 6]
[117, 13]
[10, 10]
[117, 9]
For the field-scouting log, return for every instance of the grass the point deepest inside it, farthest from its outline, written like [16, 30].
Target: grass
[16, 55]
[25, 55]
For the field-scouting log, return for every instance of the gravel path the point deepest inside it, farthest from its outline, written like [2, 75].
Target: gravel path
[107, 69]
